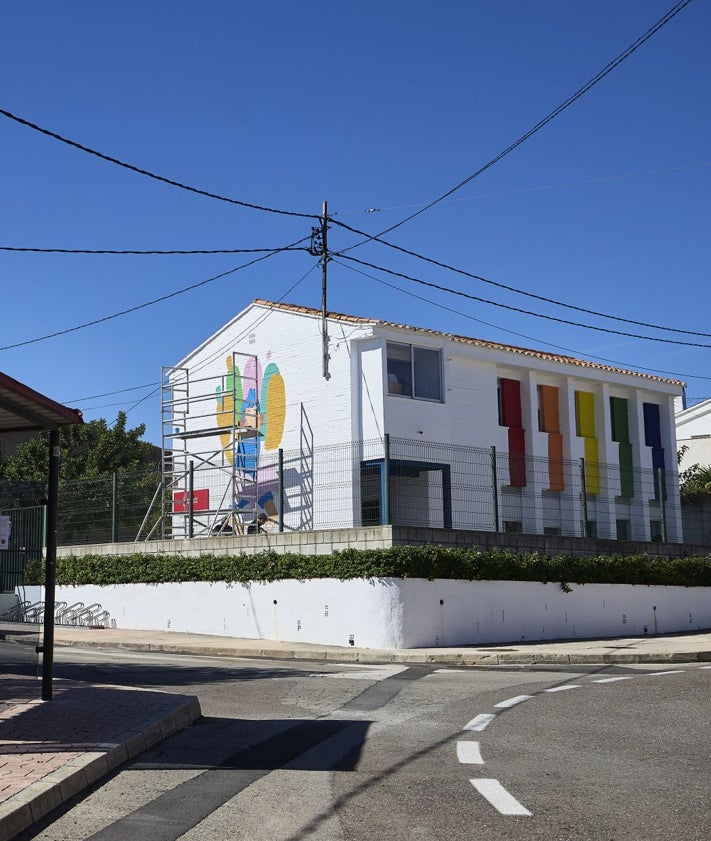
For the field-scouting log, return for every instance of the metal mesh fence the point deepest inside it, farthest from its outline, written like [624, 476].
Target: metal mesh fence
[394, 481]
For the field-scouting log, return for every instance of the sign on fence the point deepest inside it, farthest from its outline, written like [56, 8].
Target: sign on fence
[201, 501]
[5, 526]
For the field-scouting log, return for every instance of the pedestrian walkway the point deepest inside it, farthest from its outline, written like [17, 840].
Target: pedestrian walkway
[675, 648]
[50, 751]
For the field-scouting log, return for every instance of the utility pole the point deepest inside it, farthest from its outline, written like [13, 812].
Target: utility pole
[324, 289]
[319, 248]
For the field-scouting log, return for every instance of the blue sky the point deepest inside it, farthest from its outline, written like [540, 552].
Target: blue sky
[368, 105]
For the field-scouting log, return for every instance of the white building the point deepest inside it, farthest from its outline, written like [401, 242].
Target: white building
[577, 448]
[693, 431]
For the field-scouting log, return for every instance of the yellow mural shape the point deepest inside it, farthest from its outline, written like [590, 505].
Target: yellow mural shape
[275, 399]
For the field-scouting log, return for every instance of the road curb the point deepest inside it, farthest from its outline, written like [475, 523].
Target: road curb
[27, 807]
[376, 657]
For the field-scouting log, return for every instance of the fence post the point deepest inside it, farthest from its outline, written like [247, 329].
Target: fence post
[114, 507]
[281, 490]
[495, 488]
[385, 491]
[584, 497]
[662, 501]
[191, 485]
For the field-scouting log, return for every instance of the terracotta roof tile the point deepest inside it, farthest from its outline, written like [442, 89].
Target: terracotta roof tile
[484, 343]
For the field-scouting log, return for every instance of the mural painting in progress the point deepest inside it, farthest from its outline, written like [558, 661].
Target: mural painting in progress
[252, 399]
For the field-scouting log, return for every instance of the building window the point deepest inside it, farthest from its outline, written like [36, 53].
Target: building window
[623, 529]
[414, 371]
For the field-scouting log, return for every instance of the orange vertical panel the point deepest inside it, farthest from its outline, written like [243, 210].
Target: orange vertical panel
[548, 395]
[555, 462]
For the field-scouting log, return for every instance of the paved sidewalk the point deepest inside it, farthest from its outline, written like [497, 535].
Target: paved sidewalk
[52, 751]
[677, 648]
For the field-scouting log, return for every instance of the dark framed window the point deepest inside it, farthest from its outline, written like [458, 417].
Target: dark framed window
[414, 371]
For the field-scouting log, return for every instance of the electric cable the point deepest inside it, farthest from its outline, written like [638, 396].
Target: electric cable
[148, 303]
[521, 310]
[523, 190]
[138, 251]
[678, 7]
[508, 288]
[148, 173]
[579, 354]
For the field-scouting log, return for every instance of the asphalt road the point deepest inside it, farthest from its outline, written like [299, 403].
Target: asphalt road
[289, 751]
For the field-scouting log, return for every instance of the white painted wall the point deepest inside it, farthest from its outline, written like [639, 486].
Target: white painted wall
[397, 613]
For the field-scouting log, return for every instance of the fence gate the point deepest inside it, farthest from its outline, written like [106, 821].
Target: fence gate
[27, 533]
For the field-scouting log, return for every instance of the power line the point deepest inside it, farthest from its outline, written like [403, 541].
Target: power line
[108, 393]
[541, 188]
[148, 173]
[518, 291]
[678, 7]
[519, 309]
[136, 251]
[578, 353]
[147, 303]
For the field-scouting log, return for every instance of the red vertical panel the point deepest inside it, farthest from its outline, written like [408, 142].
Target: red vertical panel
[517, 458]
[511, 403]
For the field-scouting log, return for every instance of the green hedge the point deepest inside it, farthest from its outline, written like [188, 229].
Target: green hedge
[428, 562]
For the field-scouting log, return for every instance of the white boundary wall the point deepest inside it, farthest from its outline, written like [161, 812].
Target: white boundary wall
[400, 613]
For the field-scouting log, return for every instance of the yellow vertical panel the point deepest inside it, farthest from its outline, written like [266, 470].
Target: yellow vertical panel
[592, 466]
[585, 414]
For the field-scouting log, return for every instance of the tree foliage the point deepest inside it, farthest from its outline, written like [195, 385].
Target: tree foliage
[88, 451]
[694, 481]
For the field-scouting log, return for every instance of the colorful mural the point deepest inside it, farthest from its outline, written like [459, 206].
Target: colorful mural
[251, 409]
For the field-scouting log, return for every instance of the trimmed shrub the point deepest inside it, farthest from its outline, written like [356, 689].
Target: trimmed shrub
[427, 562]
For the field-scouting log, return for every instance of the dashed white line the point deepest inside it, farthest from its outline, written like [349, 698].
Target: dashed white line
[499, 798]
[612, 679]
[479, 722]
[665, 672]
[705, 667]
[468, 753]
[563, 688]
[511, 702]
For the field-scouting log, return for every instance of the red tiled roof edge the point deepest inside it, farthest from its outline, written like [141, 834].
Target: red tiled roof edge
[536, 354]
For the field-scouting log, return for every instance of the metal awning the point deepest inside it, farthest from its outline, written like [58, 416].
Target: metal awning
[23, 409]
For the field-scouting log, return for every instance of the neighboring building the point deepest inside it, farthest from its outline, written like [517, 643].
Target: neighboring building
[693, 431]
[576, 447]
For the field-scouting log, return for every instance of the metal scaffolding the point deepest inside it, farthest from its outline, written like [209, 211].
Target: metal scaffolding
[210, 421]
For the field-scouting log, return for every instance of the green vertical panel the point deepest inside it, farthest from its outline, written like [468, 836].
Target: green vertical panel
[620, 420]
[585, 414]
[626, 470]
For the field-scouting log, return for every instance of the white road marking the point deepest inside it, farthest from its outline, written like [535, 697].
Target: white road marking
[705, 667]
[468, 753]
[511, 702]
[613, 679]
[373, 673]
[479, 722]
[563, 688]
[499, 798]
[666, 672]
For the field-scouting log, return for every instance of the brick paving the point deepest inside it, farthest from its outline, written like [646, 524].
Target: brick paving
[51, 750]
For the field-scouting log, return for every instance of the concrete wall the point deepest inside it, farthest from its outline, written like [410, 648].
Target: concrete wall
[397, 613]
[381, 537]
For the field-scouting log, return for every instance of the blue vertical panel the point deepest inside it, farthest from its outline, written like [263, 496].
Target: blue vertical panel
[652, 426]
